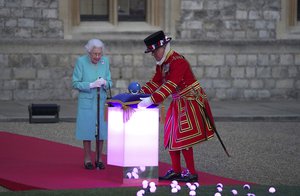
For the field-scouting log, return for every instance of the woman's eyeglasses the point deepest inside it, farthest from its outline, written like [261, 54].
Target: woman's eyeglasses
[96, 54]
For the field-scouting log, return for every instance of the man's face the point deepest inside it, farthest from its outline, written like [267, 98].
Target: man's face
[158, 53]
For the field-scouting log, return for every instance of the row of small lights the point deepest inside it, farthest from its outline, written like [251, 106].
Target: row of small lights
[175, 187]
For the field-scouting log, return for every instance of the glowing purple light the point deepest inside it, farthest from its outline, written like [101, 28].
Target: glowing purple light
[129, 143]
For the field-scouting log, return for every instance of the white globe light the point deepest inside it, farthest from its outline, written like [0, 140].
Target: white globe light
[219, 189]
[192, 187]
[174, 190]
[145, 184]
[135, 175]
[129, 175]
[143, 168]
[140, 193]
[196, 184]
[220, 185]
[188, 184]
[234, 192]
[152, 184]
[153, 189]
[246, 187]
[135, 170]
[272, 190]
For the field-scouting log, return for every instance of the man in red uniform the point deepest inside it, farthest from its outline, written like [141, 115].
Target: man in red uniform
[189, 118]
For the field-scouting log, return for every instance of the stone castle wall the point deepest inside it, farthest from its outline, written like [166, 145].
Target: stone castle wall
[227, 69]
[230, 44]
[229, 19]
[30, 19]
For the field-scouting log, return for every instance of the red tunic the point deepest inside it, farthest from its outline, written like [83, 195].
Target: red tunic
[189, 118]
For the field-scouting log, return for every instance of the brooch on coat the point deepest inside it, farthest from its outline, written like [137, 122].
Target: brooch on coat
[166, 68]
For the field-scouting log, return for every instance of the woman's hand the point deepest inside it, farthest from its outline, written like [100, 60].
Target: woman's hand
[98, 83]
[102, 82]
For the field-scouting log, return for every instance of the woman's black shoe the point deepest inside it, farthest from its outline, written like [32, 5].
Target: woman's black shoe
[99, 165]
[88, 165]
[170, 175]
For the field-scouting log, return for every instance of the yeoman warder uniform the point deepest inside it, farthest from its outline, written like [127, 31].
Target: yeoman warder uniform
[189, 118]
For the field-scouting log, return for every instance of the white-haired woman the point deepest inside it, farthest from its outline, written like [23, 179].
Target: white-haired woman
[91, 71]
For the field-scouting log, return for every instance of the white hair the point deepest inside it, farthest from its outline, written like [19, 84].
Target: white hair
[94, 43]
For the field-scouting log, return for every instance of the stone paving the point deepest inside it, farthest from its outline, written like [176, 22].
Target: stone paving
[262, 137]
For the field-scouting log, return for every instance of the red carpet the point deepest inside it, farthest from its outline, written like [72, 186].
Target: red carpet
[31, 163]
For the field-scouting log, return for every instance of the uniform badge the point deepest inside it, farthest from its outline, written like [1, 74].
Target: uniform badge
[166, 68]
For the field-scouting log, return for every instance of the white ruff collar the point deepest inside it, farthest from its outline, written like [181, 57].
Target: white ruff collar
[167, 50]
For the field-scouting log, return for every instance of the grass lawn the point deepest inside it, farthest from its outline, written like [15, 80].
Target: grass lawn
[258, 190]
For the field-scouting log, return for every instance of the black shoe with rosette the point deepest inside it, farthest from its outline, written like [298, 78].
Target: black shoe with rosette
[170, 175]
[186, 176]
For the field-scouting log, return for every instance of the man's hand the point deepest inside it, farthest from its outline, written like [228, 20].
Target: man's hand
[146, 102]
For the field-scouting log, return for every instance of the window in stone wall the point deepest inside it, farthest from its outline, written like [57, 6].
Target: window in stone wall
[289, 25]
[132, 10]
[292, 6]
[126, 10]
[93, 10]
[298, 10]
[111, 18]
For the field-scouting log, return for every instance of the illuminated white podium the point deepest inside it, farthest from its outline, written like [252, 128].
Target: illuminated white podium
[133, 141]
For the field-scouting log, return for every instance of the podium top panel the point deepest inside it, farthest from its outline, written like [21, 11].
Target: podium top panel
[127, 99]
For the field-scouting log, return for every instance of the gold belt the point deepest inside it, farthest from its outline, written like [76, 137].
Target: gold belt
[191, 92]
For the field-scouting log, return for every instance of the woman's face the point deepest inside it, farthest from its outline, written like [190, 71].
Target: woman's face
[158, 53]
[96, 54]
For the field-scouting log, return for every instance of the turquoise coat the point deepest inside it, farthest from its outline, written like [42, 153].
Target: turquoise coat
[84, 73]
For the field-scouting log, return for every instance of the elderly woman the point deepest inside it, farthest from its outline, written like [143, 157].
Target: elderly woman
[91, 72]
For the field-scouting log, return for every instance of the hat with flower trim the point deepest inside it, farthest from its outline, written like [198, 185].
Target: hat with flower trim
[156, 40]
